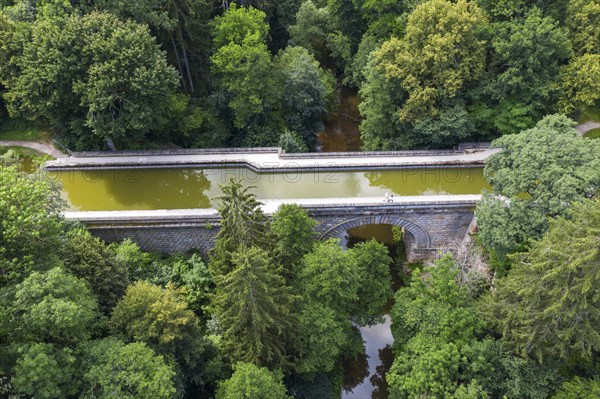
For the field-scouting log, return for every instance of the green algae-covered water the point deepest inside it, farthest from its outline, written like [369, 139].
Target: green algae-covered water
[146, 189]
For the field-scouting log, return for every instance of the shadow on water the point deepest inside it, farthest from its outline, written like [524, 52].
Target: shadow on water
[341, 128]
[364, 377]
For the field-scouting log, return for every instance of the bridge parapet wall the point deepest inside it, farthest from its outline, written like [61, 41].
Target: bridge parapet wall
[432, 227]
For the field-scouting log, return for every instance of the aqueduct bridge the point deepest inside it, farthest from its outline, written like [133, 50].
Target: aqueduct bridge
[437, 218]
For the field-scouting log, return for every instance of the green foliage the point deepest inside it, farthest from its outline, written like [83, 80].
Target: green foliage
[30, 224]
[90, 77]
[253, 308]
[114, 369]
[579, 388]
[382, 128]
[521, 378]
[21, 130]
[583, 18]
[151, 12]
[311, 28]
[295, 236]
[330, 277]
[432, 64]
[527, 54]
[291, 142]
[160, 318]
[251, 382]
[308, 88]
[538, 174]
[154, 315]
[372, 260]
[323, 337]
[236, 24]
[436, 333]
[547, 307]
[187, 273]
[435, 306]
[449, 127]
[192, 276]
[414, 84]
[89, 258]
[46, 372]
[53, 307]
[243, 224]
[243, 65]
[507, 9]
[506, 226]
[355, 72]
[129, 254]
[580, 83]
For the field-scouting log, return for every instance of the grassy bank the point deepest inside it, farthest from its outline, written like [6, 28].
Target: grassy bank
[593, 134]
[591, 114]
[20, 129]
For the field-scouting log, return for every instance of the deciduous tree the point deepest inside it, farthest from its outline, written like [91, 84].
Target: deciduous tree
[437, 338]
[160, 318]
[375, 289]
[295, 236]
[538, 173]
[54, 307]
[115, 369]
[30, 224]
[43, 371]
[91, 77]
[309, 90]
[528, 53]
[329, 276]
[583, 18]
[251, 382]
[580, 83]
[439, 55]
[89, 258]
[244, 66]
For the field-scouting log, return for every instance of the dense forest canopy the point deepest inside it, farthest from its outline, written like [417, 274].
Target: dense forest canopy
[208, 73]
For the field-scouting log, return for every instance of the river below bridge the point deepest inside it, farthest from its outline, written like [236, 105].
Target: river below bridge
[173, 188]
[364, 377]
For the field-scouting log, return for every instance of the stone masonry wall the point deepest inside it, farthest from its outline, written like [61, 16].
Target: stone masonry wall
[432, 228]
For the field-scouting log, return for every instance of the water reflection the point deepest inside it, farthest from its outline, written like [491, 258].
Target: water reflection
[136, 189]
[380, 391]
[367, 373]
[139, 189]
[377, 338]
[426, 181]
[356, 370]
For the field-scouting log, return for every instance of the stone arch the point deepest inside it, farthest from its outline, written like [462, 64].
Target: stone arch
[420, 234]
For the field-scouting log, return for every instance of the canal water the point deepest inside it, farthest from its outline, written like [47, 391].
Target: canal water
[148, 189]
[364, 377]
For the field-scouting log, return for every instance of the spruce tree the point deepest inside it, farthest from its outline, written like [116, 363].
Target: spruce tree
[548, 307]
[243, 224]
[253, 307]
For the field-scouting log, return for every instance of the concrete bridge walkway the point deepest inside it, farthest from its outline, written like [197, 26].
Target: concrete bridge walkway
[273, 160]
[269, 207]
